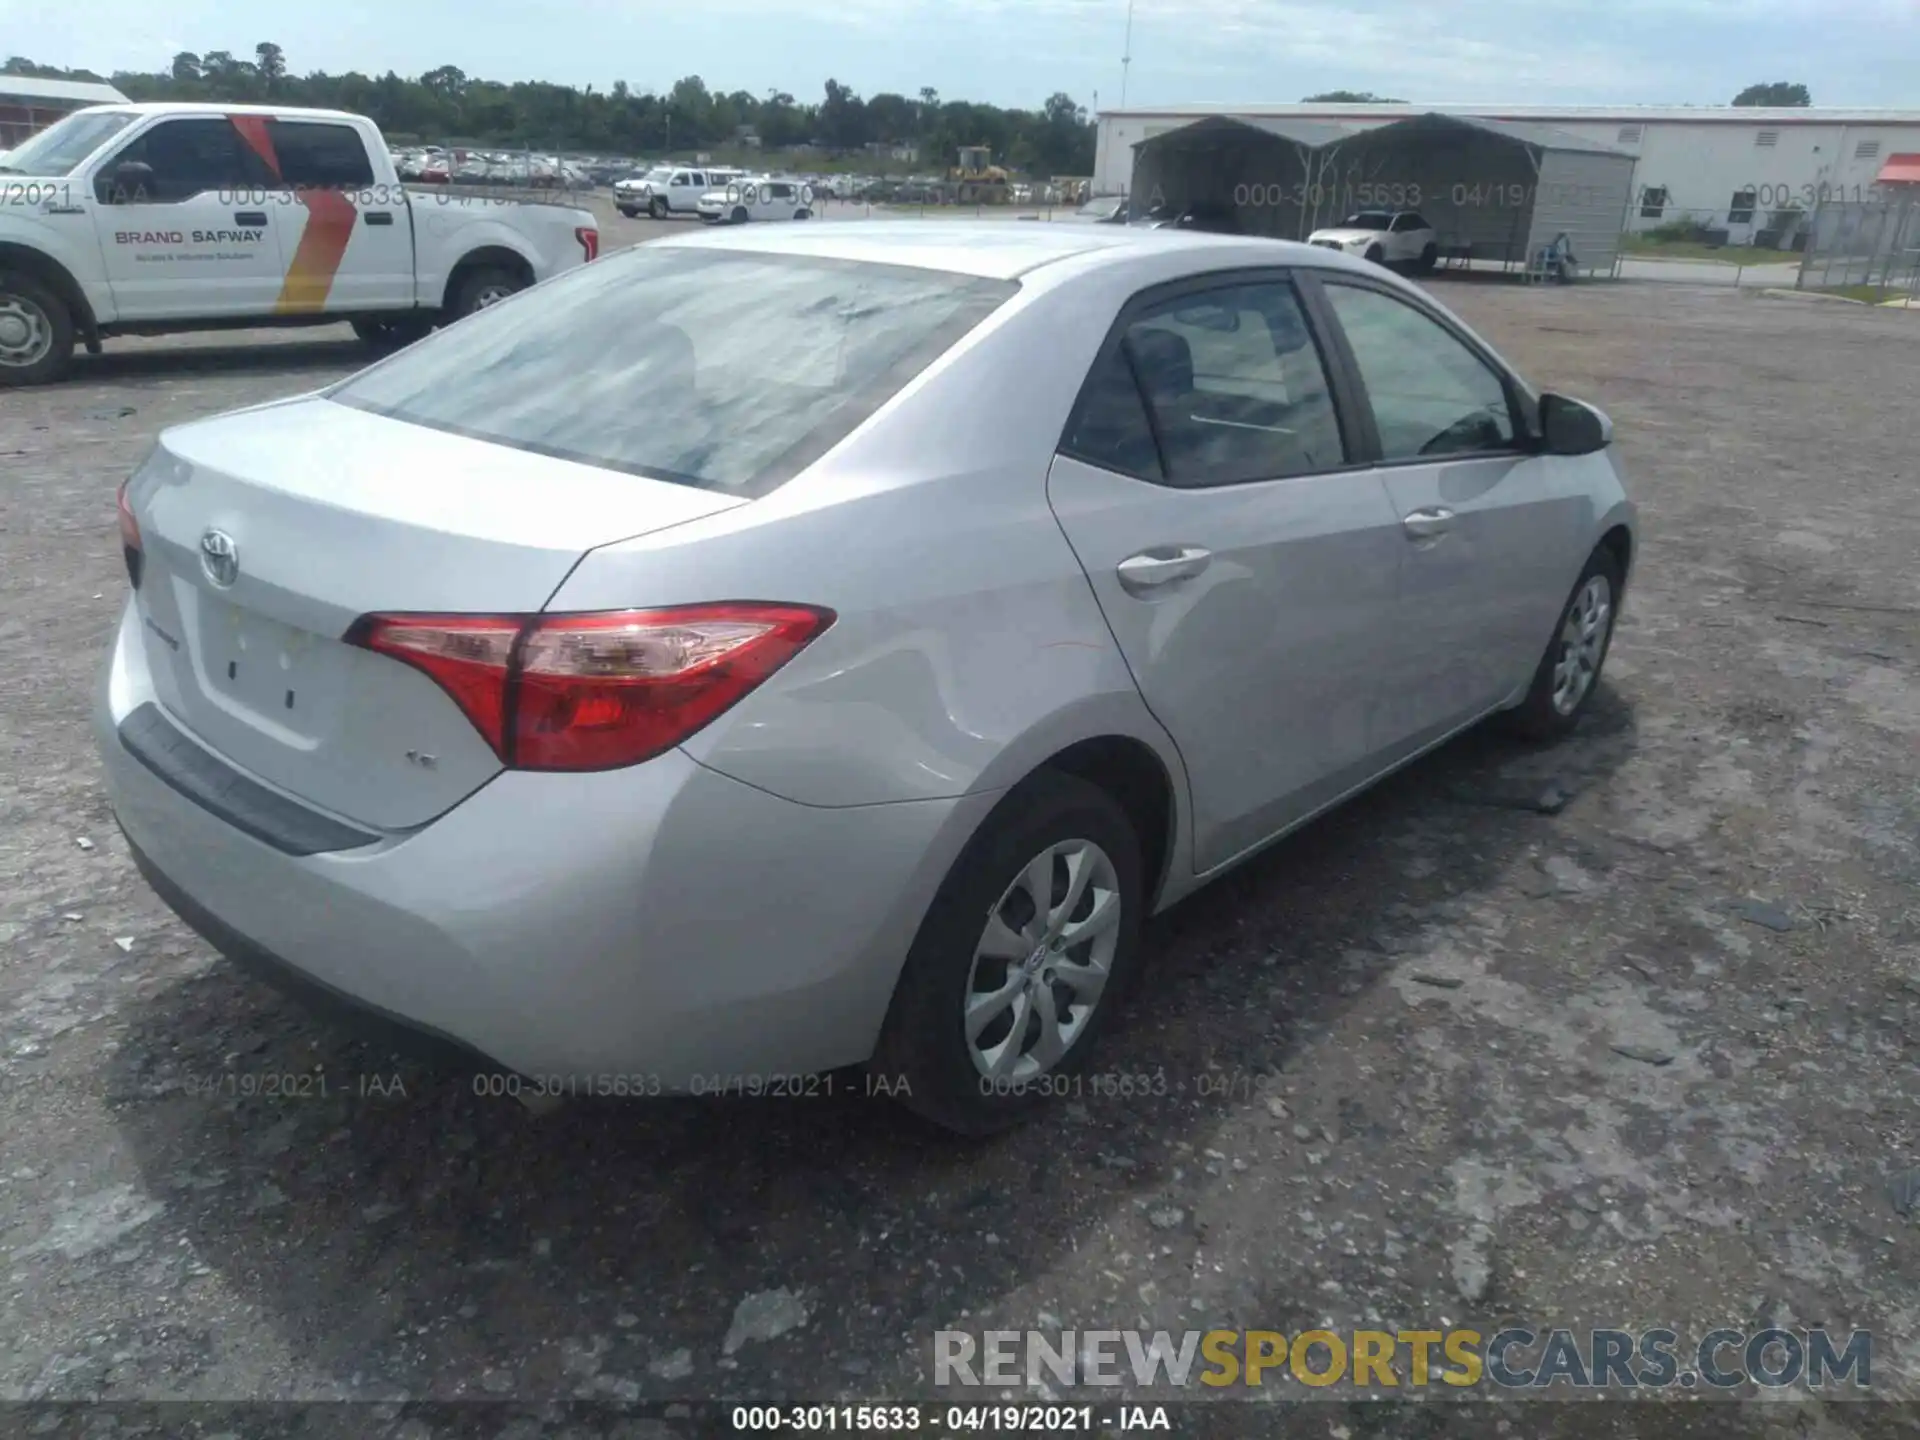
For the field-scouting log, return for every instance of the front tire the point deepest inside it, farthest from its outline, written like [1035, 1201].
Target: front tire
[1569, 672]
[1429, 258]
[803, 214]
[657, 208]
[739, 216]
[1376, 254]
[36, 332]
[1021, 961]
[632, 212]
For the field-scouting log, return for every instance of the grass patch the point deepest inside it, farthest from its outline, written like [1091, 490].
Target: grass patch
[1643, 248]
[1869, 294]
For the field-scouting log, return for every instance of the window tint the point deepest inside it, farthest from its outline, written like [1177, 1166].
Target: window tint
[682, 178]
[729, 371]
[190, 157]
[1110, 426]
[1236, 386]
[331, 156]
[1431, 395]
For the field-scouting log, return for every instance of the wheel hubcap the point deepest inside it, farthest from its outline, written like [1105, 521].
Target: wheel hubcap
[492, 295]
[1583, 644]
[26, 335]
[1042, 962]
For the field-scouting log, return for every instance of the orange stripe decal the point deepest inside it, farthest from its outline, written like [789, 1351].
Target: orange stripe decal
[324, 240]
[330, 219]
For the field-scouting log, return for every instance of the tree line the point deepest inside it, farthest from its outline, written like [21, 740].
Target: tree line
[447, 106]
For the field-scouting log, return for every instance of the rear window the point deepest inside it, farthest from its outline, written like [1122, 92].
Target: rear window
[724, 370]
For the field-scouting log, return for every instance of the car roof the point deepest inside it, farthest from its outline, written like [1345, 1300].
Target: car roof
[997, 249]
[222, 107]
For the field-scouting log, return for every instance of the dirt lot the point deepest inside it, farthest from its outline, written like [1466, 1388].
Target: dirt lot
[1444, 1058]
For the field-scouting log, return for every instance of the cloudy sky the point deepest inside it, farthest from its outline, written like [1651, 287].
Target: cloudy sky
[1016, 52]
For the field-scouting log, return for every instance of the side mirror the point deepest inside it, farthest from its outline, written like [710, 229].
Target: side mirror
[1572, 427]
[130, 179]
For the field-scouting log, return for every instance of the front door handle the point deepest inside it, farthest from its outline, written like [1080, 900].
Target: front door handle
[379, 217]
[255, 218]
[1428, 524]
[1154, 570]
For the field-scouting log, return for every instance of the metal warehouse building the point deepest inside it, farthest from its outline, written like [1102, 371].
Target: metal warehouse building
[1493, 189]
[1729, 168]
[28, 104]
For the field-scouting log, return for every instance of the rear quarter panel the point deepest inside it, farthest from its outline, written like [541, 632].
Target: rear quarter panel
[447, 227]
[968, 646]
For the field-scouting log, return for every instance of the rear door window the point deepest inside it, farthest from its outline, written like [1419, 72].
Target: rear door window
[730, 371]
[319, 156]
[1235, 385]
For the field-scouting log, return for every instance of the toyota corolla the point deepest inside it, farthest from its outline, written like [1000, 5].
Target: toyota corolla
[768, 651]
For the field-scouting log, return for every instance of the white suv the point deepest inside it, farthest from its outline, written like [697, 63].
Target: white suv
[757, 197]
[1385, 237]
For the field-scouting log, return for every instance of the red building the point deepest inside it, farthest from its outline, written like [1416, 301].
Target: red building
[28, 104]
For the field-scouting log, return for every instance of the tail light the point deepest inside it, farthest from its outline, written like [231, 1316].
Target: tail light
[597, 691]
[132, 548]
[589, 239]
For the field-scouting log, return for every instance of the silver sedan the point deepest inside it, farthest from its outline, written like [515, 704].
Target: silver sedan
[758, 653]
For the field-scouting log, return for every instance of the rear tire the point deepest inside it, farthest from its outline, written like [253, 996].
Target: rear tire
[36, 332]
[1569, 672]
[657, 208]
[963, 956]
[482, 287]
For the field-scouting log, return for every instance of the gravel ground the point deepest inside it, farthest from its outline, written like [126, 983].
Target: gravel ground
[1615, 1033]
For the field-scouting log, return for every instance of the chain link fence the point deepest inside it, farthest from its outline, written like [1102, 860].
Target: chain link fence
[1865, 250]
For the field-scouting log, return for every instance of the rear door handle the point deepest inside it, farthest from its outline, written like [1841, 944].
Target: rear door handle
[1154, 570]
[250, 217]
[379, 217]
[1428, 524]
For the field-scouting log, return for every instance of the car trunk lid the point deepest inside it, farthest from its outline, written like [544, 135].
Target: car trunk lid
[268, 533]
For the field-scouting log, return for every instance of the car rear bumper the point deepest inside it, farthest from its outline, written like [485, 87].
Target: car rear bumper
[663, 921]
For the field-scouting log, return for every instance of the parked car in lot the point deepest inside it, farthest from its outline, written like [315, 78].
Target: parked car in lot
[668, 190]
[757, 197]
[441, 691]
[1385, 237]
[169, 217]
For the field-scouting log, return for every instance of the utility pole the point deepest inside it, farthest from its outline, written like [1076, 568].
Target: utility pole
[1126, 58]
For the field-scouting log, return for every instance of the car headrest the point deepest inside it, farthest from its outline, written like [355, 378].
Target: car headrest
[1165, 360]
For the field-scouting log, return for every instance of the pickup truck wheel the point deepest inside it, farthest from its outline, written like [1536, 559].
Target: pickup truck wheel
[1376, 254]
[803, 214]
[484, 287]
[1429, 258]
[36, 332]
[739, 215]
[390, 334]
[657, 208]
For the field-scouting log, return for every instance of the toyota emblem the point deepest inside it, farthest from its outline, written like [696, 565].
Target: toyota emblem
[220, 558]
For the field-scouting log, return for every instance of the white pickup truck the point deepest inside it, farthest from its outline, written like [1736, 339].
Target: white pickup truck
[148, 219]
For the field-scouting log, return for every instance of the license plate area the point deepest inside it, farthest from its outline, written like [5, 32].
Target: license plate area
[277, 674]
